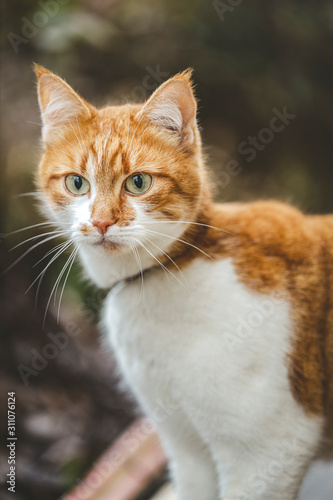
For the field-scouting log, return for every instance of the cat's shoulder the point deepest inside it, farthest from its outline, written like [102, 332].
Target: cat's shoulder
[267, 241]
[270, 223]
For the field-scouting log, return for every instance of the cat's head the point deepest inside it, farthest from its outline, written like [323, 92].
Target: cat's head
[115, 177]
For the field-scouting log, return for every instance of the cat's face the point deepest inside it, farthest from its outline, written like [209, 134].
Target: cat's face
[120, 177]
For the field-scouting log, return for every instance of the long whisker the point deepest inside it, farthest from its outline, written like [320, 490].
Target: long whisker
[64, 246]
[56, 290]
[56, 283]
[30, 227]
[187, 222]
[181, 241]
[57, 233]
[49, 252]
[22, 195]
[74, 254]
[168, 256]
[28, 251]
[162, 265]
[33, 123]
[179, 281]
[138, 260]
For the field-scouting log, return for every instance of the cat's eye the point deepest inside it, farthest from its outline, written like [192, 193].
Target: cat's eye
[138, 183]
[77, 185]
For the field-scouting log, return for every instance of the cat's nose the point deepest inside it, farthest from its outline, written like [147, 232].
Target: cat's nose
[102, 225]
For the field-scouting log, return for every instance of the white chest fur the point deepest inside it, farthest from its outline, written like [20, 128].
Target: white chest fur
[217, 351]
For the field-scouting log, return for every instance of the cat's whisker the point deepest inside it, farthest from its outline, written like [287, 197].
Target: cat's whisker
[64, 246]
[49, 253]
[28, 251]
[182, 241]
[57, 284]
[30, 227]
[168, 256]
[33, 123]
[163, 266]
[56, 233]
[174, 263]
[155, 258]
[23, 195]
[142, 293]
[138, 260]
[41, 278]
[187, 222]
[171, 260]
[74, 254]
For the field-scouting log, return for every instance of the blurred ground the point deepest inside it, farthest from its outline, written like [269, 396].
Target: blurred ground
[250, 62]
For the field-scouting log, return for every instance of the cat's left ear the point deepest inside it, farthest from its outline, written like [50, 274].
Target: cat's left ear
[59, 104]
[173, 107]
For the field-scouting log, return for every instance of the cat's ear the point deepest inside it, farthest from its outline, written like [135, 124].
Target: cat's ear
[59, 104]
[173, 107]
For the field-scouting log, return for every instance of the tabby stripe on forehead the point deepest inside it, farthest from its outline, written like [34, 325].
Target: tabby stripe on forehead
[83, 163]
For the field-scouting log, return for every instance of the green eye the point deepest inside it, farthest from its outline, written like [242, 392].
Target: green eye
[138, 183]
[77, 185]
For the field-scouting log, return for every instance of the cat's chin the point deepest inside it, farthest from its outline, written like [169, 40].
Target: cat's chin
[111, 246]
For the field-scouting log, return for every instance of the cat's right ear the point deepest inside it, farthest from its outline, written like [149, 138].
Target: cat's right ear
[59, 104]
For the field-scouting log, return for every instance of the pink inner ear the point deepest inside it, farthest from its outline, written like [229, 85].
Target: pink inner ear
[186, 103]
[173, 107]
[58, 101]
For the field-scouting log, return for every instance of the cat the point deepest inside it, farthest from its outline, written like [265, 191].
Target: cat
[222, 311]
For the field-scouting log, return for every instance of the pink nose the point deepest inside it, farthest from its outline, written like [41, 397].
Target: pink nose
[102, 225]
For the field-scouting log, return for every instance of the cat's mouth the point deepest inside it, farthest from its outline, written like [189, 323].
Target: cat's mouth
[108, 244]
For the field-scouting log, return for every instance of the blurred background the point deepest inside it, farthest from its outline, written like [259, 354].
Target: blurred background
[252, 61]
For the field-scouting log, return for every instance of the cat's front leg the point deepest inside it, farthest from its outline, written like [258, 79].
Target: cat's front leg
[191, 465]
[263, 473]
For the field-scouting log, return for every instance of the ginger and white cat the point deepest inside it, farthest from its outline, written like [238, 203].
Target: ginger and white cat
[222, 311]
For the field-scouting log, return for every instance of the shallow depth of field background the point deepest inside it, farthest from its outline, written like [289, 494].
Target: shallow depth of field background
[257, 57]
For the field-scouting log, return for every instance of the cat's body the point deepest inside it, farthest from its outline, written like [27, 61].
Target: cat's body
[233, 333]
